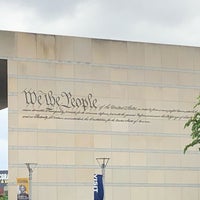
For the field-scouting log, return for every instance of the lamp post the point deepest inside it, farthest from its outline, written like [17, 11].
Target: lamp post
[30, 167]
[103, 163]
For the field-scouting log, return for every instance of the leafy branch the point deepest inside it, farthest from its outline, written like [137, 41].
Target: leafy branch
[194, 123]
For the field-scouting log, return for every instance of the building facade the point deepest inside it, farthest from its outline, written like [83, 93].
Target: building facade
[3, 182]
[72, 100]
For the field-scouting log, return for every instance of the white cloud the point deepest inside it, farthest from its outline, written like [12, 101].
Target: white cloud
[4, 123]
[4, 154]
[173, 21]
[4, 139]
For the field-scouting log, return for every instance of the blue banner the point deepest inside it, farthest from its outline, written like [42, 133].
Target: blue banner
[98, 187]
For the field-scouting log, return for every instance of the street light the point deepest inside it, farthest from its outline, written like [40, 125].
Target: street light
[30, 167]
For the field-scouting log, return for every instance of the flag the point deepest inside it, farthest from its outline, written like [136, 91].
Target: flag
[22, 189]
[98, 187]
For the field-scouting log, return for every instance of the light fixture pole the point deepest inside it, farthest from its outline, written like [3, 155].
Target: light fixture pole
[30, 167]
[103, 163]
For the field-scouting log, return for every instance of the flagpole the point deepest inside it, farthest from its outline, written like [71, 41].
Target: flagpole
[103, 163]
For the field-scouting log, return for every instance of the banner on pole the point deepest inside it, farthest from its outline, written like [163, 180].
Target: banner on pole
[98, 187]
[22, 189]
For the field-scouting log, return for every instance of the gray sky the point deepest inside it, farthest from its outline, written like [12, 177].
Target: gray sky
[4, 139]
[157, 21]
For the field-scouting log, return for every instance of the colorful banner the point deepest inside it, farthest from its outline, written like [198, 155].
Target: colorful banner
[98, 187]
[22, 189]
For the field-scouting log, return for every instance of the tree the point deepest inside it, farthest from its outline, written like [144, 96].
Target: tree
[194, 122]
[3, 197]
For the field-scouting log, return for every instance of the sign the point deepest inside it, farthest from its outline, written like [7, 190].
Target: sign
[98, 187]
[3, 176]
[22, 189]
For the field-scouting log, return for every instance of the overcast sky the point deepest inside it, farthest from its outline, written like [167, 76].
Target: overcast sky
[4, 139]
[157, 21]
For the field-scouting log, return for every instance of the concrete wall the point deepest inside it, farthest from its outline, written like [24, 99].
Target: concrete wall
[73, 99]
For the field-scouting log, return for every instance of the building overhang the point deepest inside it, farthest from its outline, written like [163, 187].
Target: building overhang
[3, 84]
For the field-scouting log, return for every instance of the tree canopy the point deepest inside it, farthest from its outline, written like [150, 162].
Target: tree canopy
[194, 123]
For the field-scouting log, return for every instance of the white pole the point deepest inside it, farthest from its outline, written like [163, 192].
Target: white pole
[30, 173]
